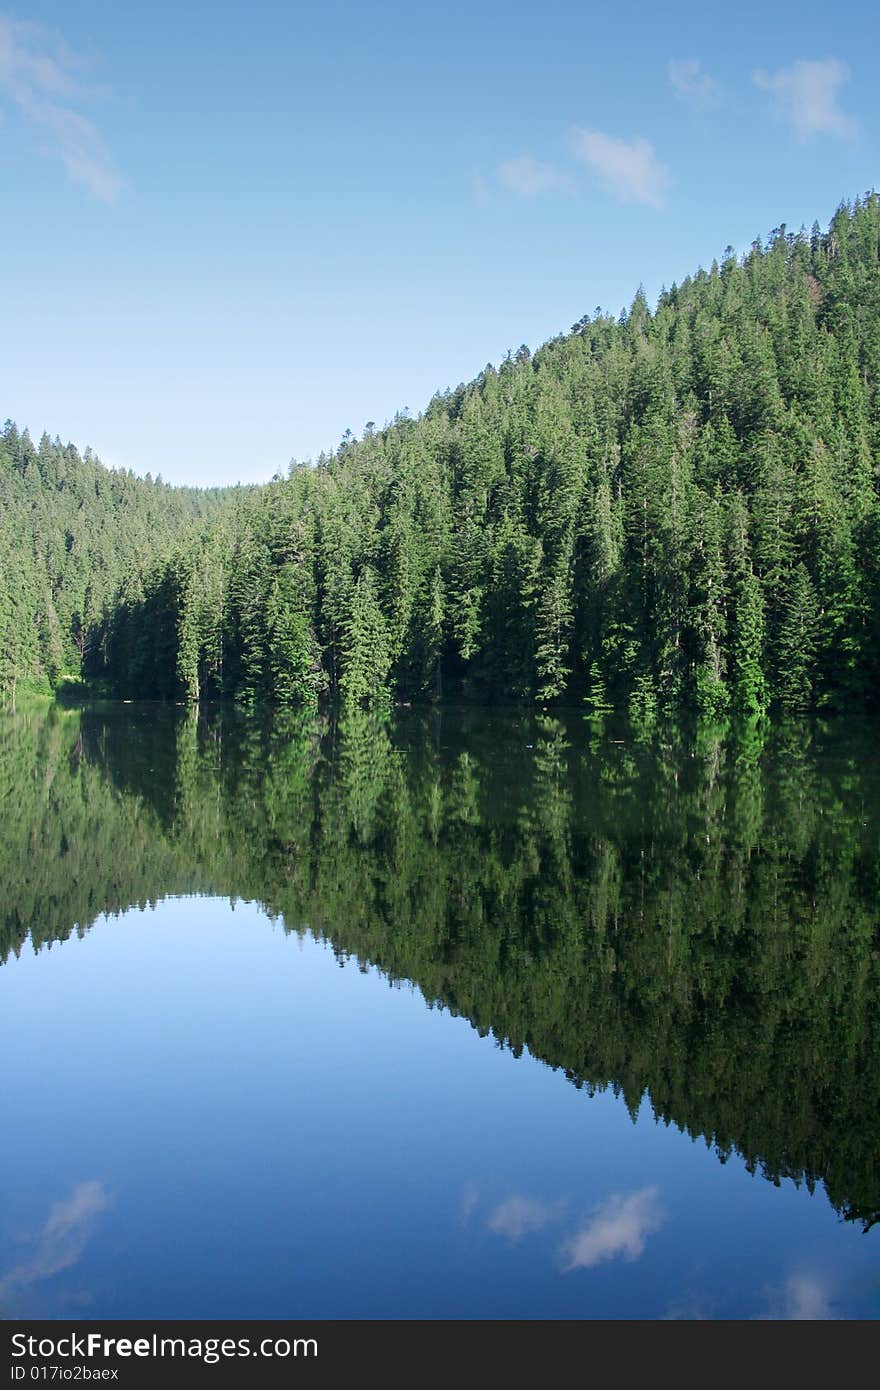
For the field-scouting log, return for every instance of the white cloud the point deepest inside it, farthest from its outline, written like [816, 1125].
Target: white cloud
[806, 1298]
[529, 177]
[518, 1216]
[802, 1298]
[807, 94]
[629, 168]
[84, 1203]
[618, 1229]
[38, 74]
[690, 81]
[62, 1239]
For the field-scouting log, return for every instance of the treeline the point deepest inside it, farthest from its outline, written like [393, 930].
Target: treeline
[74, 536]
[681, 916]
[666, 508]
[669, 508]
[73, 846]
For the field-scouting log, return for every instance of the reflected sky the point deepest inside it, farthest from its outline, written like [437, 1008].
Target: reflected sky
[617, 1229]
[212, 1118]
[58, 1245]
[462, 1013]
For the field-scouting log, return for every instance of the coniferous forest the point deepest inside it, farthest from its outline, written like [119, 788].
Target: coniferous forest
[673, 508]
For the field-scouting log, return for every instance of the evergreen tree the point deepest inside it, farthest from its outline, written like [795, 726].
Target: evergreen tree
[679, 508]
[367, 654]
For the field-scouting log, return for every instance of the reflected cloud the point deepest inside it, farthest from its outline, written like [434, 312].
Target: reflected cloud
[519, 1216]
[690, 1308]
[62, 1239]
[469, 1200]
[802, 1298]
[618, 1229]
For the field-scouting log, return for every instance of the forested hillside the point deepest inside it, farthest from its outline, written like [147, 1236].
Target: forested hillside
[74, 536]
[669, 508]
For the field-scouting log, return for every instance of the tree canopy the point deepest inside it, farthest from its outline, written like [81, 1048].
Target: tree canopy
[665, 508]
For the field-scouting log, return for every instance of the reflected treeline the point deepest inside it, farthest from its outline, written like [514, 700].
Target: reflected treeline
[690, 916]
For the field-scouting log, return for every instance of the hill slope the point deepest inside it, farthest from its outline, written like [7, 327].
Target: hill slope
[673, 507]
[73, 536]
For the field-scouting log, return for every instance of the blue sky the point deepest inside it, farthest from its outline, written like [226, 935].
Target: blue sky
[232, 232]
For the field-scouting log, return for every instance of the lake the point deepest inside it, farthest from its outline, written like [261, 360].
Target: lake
[461, 1014]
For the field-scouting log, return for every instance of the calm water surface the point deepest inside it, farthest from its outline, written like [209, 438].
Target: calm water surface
[458, 1015]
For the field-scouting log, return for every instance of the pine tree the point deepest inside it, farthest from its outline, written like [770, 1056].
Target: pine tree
[797, 639]
[366, 659]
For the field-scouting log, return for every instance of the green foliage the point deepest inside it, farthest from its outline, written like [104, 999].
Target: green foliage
[690, 916]
[750, 688]
[367, 657]
[79, 544]
[294, 666]
[797, 641]
[676, 509]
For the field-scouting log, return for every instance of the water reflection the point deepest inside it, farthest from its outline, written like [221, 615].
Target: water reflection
[616, 1230]
[691, 918]
[518, 1216]
[803, 1297]
[58, 1245]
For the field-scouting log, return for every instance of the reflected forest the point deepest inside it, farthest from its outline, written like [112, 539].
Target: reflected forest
[671, 912]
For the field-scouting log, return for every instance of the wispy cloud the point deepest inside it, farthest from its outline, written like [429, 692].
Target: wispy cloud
[470, 1198]
[689, 1308]
[529, 178]
[39, 74]
[480, 190]
[689, 80]
[806, 1297]
[802, 1298]
[629, 168]
[617, 1229]
[807, 94]
[519, 1216]
[62, 1239]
